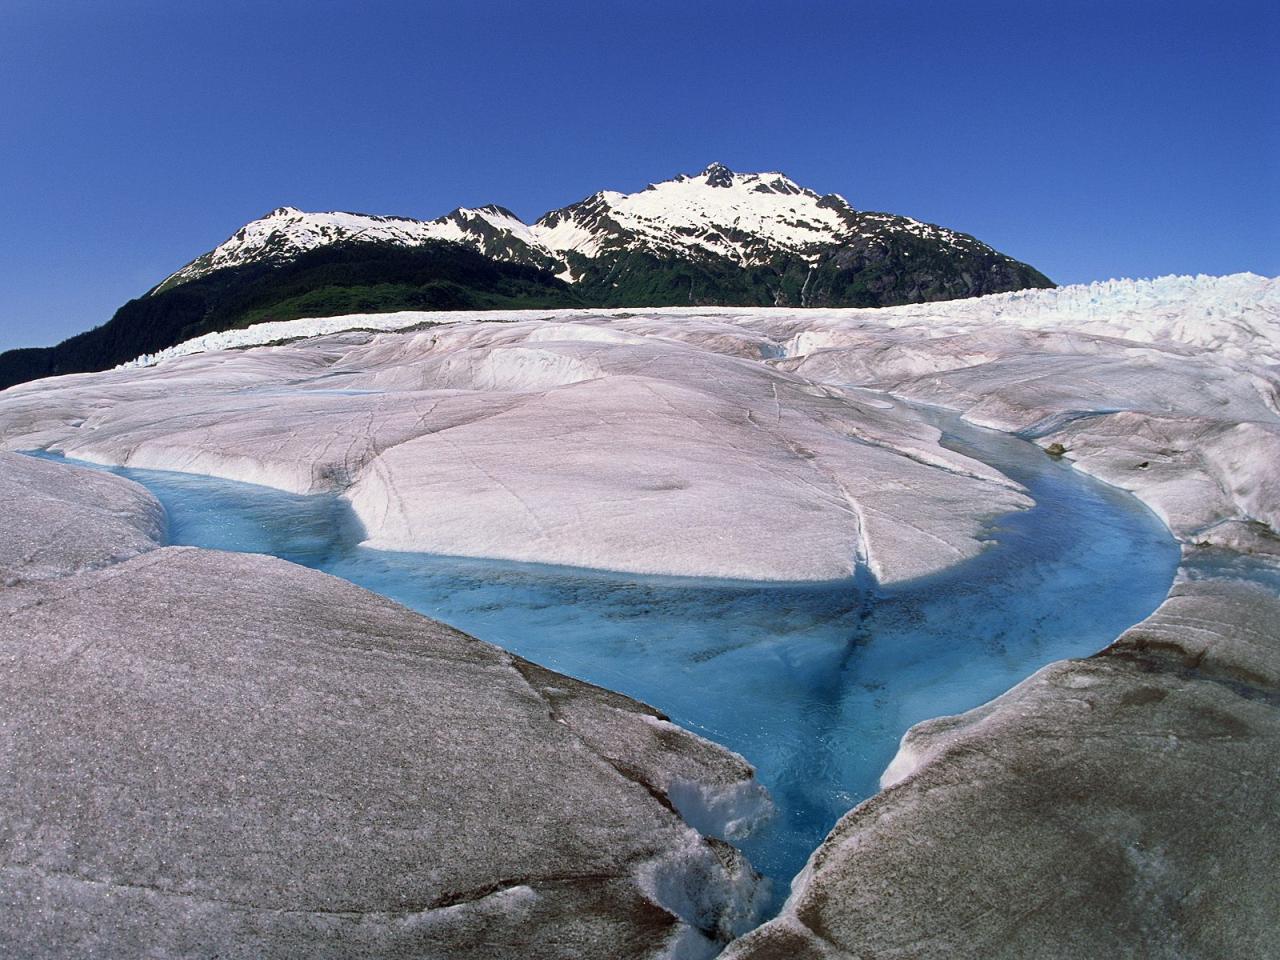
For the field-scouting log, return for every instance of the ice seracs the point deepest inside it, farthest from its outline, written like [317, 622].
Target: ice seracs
[1238, 315]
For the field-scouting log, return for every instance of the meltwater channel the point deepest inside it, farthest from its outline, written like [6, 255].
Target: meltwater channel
[814, 684]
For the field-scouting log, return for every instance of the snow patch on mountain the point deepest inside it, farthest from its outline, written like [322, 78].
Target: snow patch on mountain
[463, 225]
[743, 217]
[287, 232]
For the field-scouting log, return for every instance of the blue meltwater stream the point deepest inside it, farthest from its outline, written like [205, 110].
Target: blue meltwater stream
[814, 684]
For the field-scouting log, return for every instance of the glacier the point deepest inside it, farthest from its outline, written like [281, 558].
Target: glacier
[227, 752]
[802, 450]
[1236, 314]
[634, 453]
[813, 683]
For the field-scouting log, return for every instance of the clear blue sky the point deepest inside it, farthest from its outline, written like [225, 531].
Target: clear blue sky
[1091, 139]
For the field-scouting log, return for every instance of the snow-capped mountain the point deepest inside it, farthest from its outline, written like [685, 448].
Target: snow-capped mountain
[744, 217]
[287, 232]
[715, 237]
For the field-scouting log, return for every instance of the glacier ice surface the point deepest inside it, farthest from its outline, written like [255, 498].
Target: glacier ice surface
[813, 683]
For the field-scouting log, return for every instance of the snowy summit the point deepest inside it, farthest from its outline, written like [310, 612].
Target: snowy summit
[717, 217]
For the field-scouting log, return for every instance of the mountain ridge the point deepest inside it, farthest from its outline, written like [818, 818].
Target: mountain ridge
[717, 219]
[715, 238]
[329, 280]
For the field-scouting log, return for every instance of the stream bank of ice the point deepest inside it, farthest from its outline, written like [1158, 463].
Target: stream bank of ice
[1166, 388]
[213, 753]
[813, 683]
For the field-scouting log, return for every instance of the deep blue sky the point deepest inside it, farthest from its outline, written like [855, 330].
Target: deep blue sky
[1089, 139]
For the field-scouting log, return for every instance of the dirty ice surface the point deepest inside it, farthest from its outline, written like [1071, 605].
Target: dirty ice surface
[814, 684]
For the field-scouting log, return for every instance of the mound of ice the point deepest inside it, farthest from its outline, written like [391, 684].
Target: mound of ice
[642, 448]
[686, 441]
[61, 520]
[232, 750]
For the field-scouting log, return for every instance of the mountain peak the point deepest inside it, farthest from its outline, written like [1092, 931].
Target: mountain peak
[718, 175]
[497, 210]
[719, 219]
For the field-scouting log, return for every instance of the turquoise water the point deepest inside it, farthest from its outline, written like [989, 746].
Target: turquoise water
[814, 684]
